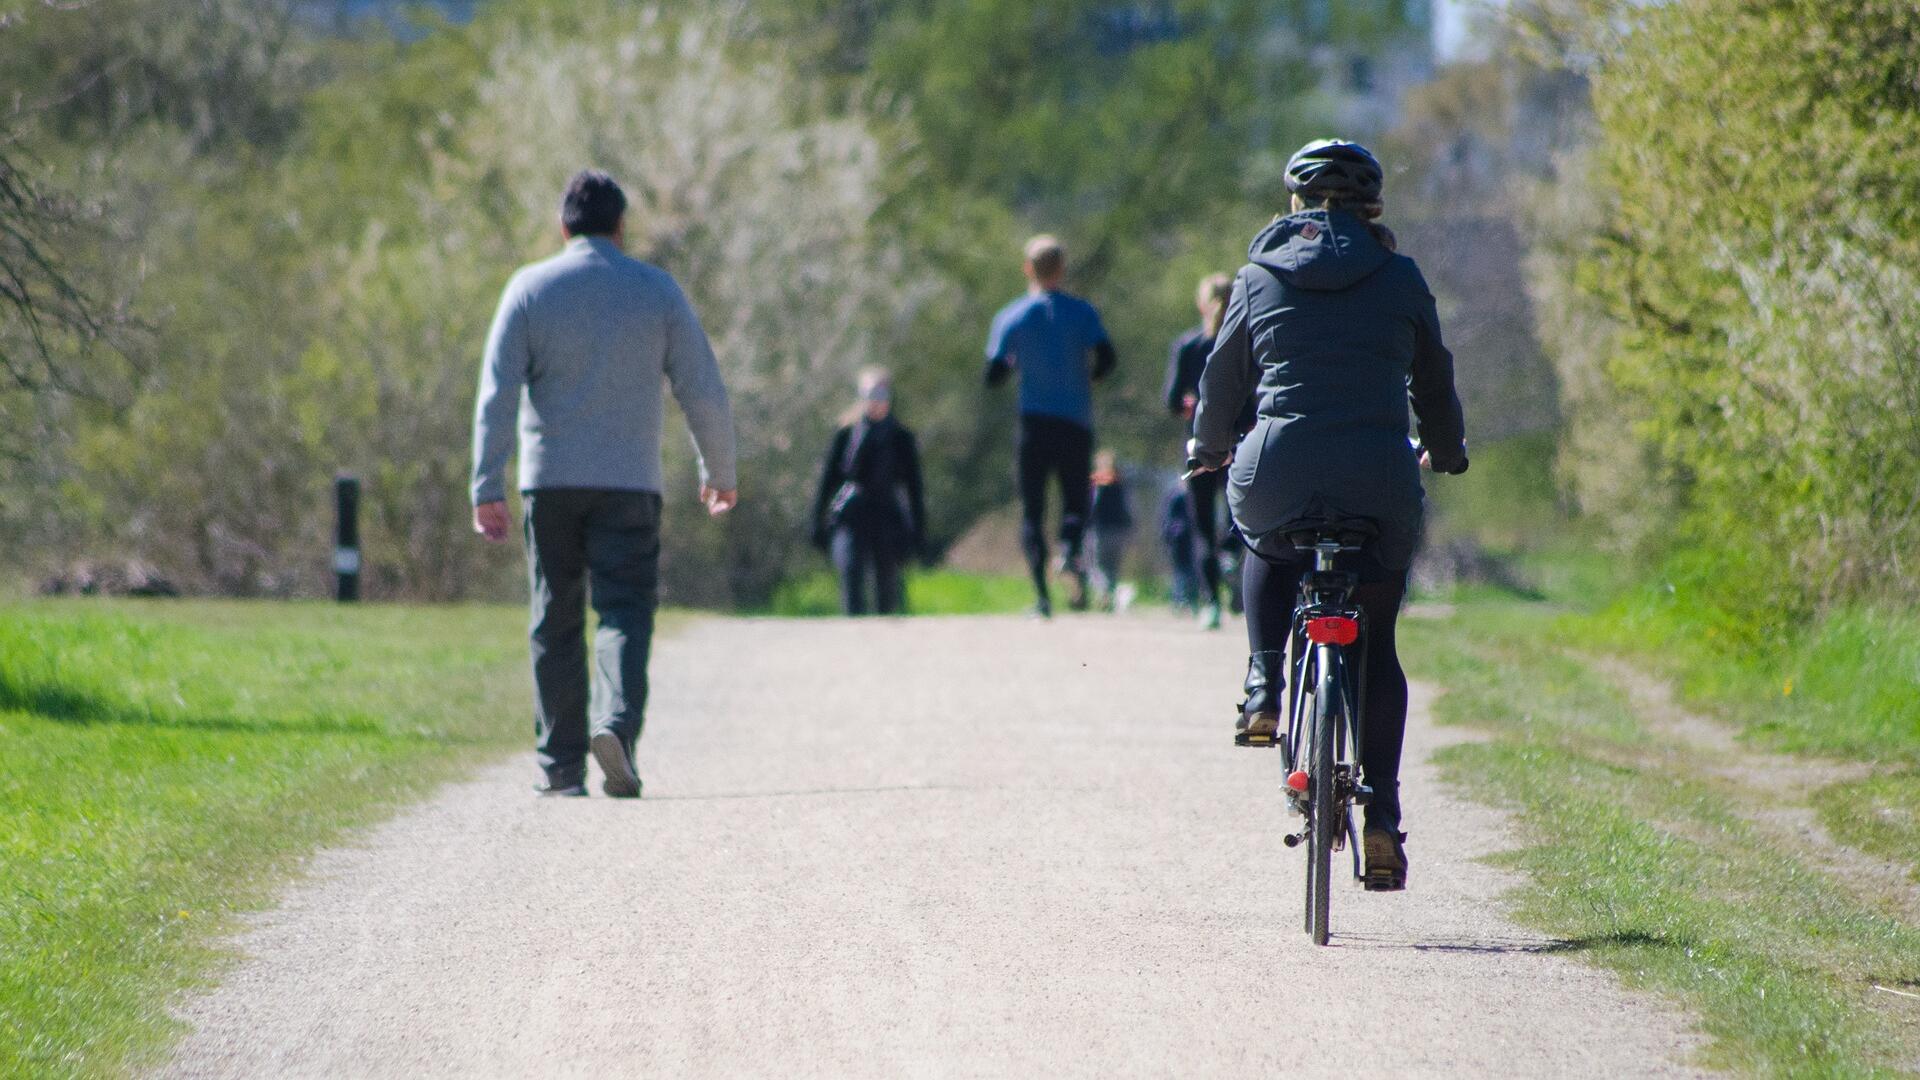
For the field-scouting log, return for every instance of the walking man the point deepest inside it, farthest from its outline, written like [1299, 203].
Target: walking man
[1056, 343]
[579, 349]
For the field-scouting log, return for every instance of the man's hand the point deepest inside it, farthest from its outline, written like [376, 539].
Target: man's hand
[491, 521]
[1188, 403]
[716, 501]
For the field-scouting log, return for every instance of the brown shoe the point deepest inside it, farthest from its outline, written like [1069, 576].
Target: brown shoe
[1256, 728]
[1260, 713]
[1386, 860]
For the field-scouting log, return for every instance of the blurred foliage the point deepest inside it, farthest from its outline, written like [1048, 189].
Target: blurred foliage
[1742, 239]
[308, 217]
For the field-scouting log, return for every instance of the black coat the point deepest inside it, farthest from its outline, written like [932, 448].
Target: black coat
[1186, 359]
[872, 471]
[1334, 333]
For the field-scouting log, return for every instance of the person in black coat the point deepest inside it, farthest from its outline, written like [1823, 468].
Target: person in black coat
[1185, 361]
[869, 514]
[1338, 333]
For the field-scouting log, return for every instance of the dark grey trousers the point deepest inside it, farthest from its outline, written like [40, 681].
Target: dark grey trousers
[585, 542]
[856, 552]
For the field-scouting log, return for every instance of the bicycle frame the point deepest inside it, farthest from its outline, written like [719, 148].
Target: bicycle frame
[1326, 592]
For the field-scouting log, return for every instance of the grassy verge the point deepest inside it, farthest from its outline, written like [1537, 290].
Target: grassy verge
[163, 765]
[929, 592]
[1845, 686]
[1651, 865]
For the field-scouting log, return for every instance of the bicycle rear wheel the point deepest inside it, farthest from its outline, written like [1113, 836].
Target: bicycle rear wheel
[1300, 751]
[1329, 704]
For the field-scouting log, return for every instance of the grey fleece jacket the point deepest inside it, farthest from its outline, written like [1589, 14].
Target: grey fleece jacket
[579, 350]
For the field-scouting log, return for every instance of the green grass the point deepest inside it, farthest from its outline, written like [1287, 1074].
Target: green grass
[1879, 815]
[1845, 685]
[929, 592]
[164, 765]
[1644, 863]
[1507, 501]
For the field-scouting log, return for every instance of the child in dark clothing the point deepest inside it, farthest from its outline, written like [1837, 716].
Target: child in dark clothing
[1112, 526]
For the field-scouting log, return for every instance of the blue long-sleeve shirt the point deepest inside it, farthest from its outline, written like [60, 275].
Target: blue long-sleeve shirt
[1050, 339]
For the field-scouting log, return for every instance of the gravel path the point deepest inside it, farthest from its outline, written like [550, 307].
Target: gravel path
[1027, 850]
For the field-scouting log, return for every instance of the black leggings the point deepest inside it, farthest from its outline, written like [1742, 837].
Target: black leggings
[1049, 447]
[1203, 493]
[1272, 588]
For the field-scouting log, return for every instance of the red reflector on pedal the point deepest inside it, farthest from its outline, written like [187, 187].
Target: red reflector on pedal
[1297, 781]
[1333, 630]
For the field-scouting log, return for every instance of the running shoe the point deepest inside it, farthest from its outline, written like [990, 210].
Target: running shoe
[616, 761]
[1079, 594]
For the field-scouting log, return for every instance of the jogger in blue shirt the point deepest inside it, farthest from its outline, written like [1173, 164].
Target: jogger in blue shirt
[1056, 344]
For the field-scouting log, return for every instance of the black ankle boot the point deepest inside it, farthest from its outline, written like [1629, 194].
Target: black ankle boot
[1383, 805]
[1260, 712]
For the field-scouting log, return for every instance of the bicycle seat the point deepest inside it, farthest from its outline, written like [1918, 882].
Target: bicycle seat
[1351, 534]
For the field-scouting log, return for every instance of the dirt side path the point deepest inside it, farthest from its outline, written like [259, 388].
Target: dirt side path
[979, 847]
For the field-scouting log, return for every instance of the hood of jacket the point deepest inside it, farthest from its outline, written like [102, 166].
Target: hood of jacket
[1326, 250]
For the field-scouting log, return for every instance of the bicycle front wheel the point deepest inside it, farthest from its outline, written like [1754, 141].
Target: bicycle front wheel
[1329, 705]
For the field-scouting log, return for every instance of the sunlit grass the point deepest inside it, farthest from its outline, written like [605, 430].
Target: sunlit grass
[1644, 864]
[929, 592]
[163, 765]
[1846, 684]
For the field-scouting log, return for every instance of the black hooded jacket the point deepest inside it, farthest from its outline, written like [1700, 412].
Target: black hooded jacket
[1334, 333]
[871, 482]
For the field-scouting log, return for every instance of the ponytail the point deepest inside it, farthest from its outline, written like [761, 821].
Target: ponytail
[1367, 210]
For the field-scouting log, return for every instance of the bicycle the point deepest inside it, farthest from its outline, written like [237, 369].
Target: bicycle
[1325, 704]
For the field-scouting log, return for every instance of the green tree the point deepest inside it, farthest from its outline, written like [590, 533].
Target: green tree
[1757, 260]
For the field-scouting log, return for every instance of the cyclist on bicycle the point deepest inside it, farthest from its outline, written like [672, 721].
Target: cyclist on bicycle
[1334, 332]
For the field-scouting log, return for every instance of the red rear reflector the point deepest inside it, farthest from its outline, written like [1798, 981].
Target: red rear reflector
[1333, 630]
[1297, 781]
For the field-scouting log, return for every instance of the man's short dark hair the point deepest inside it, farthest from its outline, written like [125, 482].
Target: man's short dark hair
[593, 204]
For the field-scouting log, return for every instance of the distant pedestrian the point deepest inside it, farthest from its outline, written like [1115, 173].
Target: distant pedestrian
[1176, 537]
[1112, 523]
[578, 353]
[869, 513]
[1185, 362]
[1056, 343]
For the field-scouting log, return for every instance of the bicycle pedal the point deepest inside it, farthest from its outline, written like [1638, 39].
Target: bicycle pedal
[1243, 739]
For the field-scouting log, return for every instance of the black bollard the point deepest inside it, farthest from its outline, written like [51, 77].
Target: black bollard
[346, 537]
